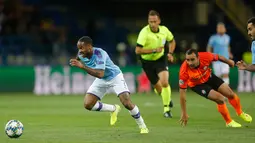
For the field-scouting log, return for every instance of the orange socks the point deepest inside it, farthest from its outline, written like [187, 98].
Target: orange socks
[222, 108]
[235, 102]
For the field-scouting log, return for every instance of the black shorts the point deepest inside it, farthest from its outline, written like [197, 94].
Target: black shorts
[152, 68]
[213, 82]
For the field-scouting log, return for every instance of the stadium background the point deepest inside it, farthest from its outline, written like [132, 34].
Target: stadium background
[40, 33]
[38, 37]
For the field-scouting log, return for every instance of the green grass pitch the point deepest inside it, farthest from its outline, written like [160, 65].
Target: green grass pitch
[62, 119]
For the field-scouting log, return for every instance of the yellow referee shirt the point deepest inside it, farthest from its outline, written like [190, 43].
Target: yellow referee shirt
[151, 40]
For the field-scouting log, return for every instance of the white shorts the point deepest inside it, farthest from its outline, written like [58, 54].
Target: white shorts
[220, 68]
[100, 87]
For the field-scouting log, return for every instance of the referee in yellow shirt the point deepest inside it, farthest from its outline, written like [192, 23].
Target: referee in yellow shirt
[150, 46]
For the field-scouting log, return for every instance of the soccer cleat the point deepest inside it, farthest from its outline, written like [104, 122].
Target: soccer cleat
[233, 124]
[168, 114]
[246, 117]
[144, 131]
[114, 115]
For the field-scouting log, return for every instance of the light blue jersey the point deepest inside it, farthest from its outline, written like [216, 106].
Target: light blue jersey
[220, 44]
[253, 52]
[101, 60]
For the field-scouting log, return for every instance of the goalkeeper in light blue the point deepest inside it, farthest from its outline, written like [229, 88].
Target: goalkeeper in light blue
[97, 63]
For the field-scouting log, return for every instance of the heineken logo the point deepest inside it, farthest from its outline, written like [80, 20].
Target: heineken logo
[63, 80]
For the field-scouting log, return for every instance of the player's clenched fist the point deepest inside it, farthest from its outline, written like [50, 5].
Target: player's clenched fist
[170, 58]
[75, 62]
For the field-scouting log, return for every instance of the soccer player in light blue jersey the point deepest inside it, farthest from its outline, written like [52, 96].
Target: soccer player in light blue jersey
[251, 32]
[96, 62]
[220, 44]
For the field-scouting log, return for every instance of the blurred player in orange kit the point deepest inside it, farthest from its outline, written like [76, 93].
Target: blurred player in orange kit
[196, 74]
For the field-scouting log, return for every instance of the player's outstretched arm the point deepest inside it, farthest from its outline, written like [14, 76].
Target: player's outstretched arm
[139, 50]
[94, 72]
[243, 66]
[231, 63]
[250, 68]
[184, 115]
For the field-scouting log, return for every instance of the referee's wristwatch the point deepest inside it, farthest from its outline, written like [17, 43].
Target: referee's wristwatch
[170, 53]
[154, 51]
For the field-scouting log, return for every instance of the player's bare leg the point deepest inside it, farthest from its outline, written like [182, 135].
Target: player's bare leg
[134, 111]
[166, 92]
[234, 100]
[222, 108]
[225, 78]
[158, 88]
[91, 103]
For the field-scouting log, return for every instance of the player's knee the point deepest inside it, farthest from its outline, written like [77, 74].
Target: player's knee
[128, 105]
[220, 100]
[88, 106]
[231, 94]
[164, 83]
[126, 102]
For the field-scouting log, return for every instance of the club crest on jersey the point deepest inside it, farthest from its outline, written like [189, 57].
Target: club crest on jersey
[98, 53]
[205, 67]
[203, 92]
[181, 82]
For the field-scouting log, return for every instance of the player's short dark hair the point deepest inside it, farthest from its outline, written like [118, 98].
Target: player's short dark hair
[220, 23]
[153, 13]
[86, 39]
[191, 51]
[251, 20]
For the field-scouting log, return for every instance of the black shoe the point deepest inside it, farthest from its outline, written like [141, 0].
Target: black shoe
[171, 105]
[168, 114]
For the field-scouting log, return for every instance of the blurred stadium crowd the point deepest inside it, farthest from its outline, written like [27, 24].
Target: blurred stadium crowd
[45, 32]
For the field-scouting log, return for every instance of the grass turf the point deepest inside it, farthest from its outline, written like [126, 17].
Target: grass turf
[62, 119]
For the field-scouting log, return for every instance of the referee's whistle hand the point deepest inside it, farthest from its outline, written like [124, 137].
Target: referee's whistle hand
[170, 58]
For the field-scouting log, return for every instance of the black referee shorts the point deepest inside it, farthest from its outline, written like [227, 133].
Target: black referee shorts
[152, 68]
[203, 89]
